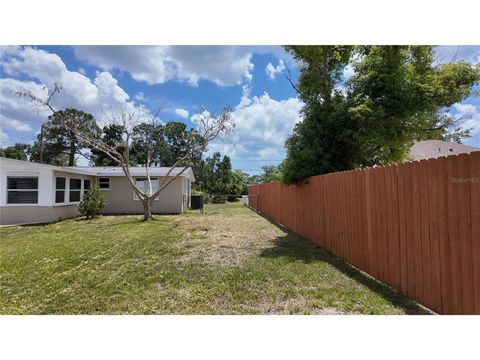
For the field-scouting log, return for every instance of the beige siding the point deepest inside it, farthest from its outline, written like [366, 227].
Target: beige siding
[120, 198]
[11, 215]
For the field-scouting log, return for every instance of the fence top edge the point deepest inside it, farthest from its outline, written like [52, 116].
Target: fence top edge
[380, 168]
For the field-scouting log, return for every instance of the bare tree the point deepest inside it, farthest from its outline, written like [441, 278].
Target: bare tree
[209, 128]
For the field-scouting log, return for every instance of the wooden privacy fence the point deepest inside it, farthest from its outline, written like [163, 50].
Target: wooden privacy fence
[414, 226]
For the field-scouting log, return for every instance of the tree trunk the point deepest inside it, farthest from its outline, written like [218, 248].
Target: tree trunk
[41, 144]
[73, 150]
[147, 211]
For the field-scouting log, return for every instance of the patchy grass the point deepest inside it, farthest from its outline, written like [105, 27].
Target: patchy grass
[228, 261]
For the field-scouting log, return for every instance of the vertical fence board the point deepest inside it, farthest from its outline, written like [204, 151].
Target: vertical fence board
[453, 234]
[433, 201]
[356, 229]
[417, 236]
[335, 239]
[369, 183]
[396, 228]
[381, 226]
[328, 214]
[475, 213]
[445, 273]
[387, 223]
[425, 233]
[323, 209]
[388, 212]
[402, 228]
[349, 240]
[363, 219]
[384, 224]
[346, 213]
[340, 215]
[465, 232]
[376, 235]
[409, 226]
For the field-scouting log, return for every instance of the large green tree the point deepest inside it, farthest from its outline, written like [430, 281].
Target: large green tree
[57, 143]
[395, 97]
[214, 175]
[238, 183]
[111, 136]
[271, 173]
[18, 151]
[165, 143]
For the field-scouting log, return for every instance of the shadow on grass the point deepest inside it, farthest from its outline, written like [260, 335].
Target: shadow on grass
[294, 247]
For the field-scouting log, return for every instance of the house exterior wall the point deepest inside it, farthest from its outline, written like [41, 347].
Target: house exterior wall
[45, 182]
[45, 210]
[187, 191]
[15, 215]
[120, 198]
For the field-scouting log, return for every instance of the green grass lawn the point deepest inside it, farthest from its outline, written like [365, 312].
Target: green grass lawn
[228, 261]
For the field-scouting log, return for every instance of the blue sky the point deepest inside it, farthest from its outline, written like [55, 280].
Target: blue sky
[181, 78]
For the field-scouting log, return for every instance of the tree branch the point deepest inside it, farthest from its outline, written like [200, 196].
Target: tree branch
[288, 76]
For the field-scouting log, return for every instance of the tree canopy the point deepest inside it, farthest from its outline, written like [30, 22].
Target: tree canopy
[112, 136]
[18, 151]
[167, 143]
[397, 95]
[56, 144]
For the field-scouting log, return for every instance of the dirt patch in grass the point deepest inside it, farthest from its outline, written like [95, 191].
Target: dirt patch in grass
[218, 240]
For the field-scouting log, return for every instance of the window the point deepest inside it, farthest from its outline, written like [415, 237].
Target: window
[60, 189]
[86, 185]
[104, 183]
[22, 190]
[142, 184]
[75, 189]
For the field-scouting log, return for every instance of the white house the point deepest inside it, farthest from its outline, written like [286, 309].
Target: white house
[38, 193]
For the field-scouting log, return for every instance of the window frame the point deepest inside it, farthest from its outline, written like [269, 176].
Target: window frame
[80, 191]
[37, 190]
[89, 185]
[64, 190]
[135, 196]
[67, 189]
[109, 183]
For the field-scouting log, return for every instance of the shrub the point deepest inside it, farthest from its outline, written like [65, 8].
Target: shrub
[233, 198]
[93, 201]
[219, 199]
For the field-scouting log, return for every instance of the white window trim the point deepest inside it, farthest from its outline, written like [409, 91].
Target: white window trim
[135, 196]
[64, 191]
[109, 183]
[83, 186]
[67, 190]
[79, 190]
[22, 175]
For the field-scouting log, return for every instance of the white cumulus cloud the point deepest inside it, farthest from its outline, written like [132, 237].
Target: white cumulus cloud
[272, 71]
[3, 138]
[182, 113]
[28, 69]
[223, 65]
[140, 96]
[8, 123]
[472, 115]
[262, 125]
